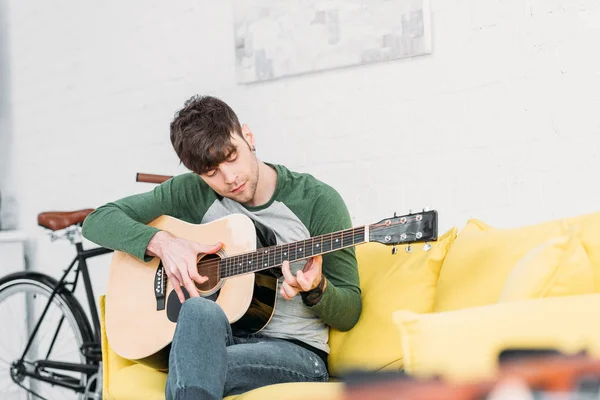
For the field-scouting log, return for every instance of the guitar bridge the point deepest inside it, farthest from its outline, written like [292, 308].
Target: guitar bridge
[160, 279]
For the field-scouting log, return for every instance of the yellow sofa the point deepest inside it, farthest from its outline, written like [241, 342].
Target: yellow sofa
[446, 312]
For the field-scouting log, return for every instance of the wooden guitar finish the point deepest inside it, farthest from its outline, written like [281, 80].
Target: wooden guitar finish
[142, 308]
[134, 328]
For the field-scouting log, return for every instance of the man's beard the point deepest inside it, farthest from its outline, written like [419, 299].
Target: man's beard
[250, 189]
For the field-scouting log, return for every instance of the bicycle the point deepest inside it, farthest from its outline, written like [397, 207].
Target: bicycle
[37, 368]
[42, 367]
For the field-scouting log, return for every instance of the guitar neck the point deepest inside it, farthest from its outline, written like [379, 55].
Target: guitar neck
[274, 256]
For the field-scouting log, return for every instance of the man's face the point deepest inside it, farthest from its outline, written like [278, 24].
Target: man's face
[237, 177]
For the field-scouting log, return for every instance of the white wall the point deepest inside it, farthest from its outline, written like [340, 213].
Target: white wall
[6, 186]
[500, 123]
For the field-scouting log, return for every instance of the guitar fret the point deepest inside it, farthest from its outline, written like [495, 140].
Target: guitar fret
[347, 241]
[286, 253]
[269, 257]
[294, 252]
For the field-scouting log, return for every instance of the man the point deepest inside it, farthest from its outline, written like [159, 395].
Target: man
[206, 360]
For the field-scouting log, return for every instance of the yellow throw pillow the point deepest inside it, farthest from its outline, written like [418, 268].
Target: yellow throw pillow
[590, 238]
[481, 259]
[558, 267]
[464, 345]
[388, 283]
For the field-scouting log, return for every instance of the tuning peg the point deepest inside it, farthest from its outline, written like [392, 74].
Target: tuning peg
[426, 247]
[394, 250]
[394, 214]
[409, 248]
[425, 209]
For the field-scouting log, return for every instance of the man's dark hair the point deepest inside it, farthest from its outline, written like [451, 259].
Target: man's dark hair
[201, 133]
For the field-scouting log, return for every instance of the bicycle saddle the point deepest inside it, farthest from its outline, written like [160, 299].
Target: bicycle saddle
[56, 220]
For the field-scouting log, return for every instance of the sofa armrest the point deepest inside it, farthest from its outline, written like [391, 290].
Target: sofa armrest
[465, 344]
[111, 362]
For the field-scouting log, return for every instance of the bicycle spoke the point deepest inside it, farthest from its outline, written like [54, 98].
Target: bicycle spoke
[6, 350]
[5, 361]
[5, 378]
[41, 336]
[58, 339]
[15, 320]
[55, 336]
[5, 374]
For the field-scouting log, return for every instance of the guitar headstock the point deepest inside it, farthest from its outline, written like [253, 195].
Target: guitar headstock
[406, 229]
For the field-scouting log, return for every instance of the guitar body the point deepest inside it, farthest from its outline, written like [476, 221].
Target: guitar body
[140, 329]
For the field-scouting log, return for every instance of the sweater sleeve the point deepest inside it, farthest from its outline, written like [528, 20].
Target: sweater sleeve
[340, 305]
[121, 224]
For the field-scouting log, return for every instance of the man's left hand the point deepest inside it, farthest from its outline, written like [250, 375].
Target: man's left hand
[306, 279]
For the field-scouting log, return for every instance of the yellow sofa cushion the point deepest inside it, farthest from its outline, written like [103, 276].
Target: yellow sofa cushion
[589, 225]
[295, 391]
[112, 363]
[464, 344]
[138, 382]
[388, 283]
[480, 260]
[558, 267]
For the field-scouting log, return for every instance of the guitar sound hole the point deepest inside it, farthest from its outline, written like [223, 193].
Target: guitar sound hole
[209, 266]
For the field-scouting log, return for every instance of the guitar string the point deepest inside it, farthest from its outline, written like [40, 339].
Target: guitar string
[280, 249]
[234, 267]
[352, 231]
[237, 267]
[231, 267]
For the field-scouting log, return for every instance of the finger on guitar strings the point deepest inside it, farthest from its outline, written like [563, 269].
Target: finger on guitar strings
[191, 288]
[196, 277]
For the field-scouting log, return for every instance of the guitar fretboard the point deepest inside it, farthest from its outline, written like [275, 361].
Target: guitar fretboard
[274, 256]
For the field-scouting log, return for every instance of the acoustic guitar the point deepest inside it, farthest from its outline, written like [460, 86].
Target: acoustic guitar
[142, 308]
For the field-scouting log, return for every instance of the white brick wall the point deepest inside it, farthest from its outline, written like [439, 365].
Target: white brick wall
[500, 123]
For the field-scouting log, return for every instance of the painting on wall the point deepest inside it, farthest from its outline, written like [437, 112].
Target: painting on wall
[275, 38]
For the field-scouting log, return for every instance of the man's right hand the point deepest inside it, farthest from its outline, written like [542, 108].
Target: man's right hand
[179, 257]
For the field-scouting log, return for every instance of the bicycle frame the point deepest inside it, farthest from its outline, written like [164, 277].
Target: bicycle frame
[87, 348]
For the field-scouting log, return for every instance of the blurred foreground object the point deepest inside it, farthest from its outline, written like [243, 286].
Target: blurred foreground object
[542, 376]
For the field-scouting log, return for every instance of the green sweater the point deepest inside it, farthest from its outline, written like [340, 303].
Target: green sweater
[301, 207]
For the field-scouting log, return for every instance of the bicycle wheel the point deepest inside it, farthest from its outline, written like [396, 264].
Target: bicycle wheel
[63, 330]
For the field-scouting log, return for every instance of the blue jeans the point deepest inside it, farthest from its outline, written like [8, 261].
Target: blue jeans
[207, 362]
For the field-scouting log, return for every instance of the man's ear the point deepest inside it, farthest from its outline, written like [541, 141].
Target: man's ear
[248, 135]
